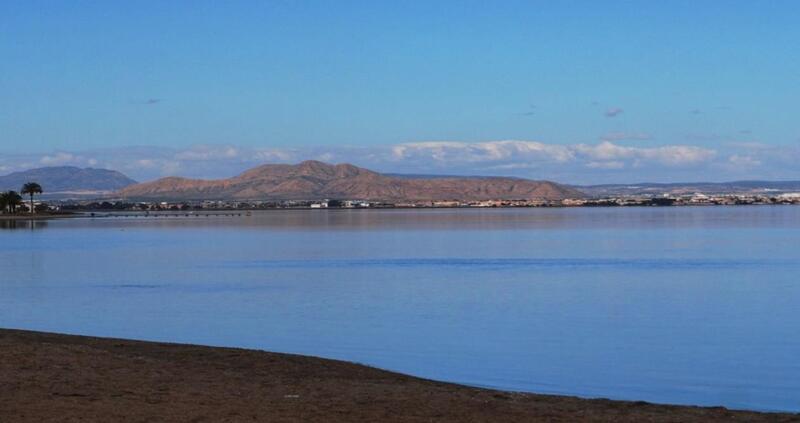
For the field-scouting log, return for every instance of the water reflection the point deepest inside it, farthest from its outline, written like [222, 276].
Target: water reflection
[463, 219]
[22, 224]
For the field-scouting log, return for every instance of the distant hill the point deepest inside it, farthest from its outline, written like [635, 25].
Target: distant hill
[735, 187]
[68, 180]
[316, 180]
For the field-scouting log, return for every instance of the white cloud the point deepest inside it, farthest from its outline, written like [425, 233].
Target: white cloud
[743, 161]
[606, 165]
[670, 155]
[234, 154]
[155, 166]
[449, 151]
[145, 163]
[519, 154]
[679, 155]
[325, 157]
[269, 155]
[63, 158]
[608, 160]
[206, 152]
[605, 151]
[58, 159]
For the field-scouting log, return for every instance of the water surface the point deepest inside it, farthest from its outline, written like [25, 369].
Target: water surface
[676, 305]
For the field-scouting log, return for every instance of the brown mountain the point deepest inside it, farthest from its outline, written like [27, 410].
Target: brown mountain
[316, 180]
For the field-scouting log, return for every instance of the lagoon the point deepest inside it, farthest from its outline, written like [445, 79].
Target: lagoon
[685, 305]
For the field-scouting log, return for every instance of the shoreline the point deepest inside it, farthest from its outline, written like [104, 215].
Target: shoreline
[41, 216]
[115, 213]
[246, 212]
[55, 377]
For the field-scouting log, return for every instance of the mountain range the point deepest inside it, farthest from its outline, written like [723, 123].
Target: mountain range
[68, 180]
[316, 180]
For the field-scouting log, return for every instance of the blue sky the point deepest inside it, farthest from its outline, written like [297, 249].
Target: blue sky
[580, 91]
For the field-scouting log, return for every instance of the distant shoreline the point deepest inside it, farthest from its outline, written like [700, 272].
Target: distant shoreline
[54, 377]
[40, 216]
[245, 212]
[100, 213]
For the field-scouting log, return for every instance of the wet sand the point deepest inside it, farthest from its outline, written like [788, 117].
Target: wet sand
[61, 378]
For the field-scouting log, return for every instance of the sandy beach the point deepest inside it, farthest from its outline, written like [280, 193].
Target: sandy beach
[53, 377]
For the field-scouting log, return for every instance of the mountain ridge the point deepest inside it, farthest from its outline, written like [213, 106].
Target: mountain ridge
[315, 180]
[67, 179]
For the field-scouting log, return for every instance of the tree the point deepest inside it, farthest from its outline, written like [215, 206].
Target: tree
[31, 188]
[10, 200]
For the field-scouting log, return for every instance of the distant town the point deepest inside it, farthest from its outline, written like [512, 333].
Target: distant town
[697, 199]
[65, 190]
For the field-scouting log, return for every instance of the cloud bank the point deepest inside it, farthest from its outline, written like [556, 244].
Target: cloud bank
[609, 160]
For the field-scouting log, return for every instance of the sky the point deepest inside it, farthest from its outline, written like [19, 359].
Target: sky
[573, 91]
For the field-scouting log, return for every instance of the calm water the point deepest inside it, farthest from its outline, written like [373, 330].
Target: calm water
[676, 305]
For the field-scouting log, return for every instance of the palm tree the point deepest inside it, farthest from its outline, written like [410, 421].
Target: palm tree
[3, 202]
[31, 188]
[10, 200]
